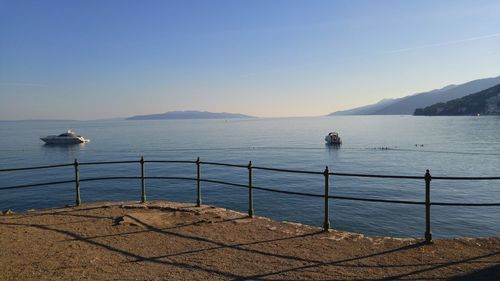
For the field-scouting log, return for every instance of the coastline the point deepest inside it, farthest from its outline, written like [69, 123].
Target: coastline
[172, 241]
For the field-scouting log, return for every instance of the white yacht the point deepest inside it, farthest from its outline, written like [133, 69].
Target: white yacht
[65, 138]
[333, 138]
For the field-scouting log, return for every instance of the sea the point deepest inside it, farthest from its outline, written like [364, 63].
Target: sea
[382, 145]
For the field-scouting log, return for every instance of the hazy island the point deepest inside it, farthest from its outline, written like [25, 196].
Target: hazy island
[486, 102]
[190, 114]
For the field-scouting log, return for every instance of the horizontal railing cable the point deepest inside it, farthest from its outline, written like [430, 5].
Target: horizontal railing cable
[36, 184]
[224, 182]
[254, 167]
[465, 204]
[36, 167]
[170, 178]
[287, 170]
[466, 178]
[287, 192]
[109, 162]
[376, 176]
[376, 200]
[110, 178]
[170, 161]
[224, 164]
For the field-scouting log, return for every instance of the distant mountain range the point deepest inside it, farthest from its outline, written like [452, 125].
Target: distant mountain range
[486, 102]
[189, 115]
[367, 109]
[408, 104]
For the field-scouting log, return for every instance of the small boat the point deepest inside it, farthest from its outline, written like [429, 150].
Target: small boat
[333, 138]
[65, 138]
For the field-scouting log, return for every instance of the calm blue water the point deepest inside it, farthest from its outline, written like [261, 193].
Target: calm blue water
[453, 146]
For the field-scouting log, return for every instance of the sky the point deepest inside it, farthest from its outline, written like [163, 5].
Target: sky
[94, 59]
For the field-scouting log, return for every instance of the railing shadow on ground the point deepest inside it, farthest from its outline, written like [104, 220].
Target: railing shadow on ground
[326, 174]
[210, 245]
[487, 274]
[479, 274]
[77, 237]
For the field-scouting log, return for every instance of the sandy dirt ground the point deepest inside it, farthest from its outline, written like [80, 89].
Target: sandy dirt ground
[175, 241]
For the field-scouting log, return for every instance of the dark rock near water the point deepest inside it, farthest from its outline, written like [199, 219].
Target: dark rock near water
[8, 212]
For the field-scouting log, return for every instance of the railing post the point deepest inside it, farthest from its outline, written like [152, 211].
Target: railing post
[250, 191]
[78, 201]
[143, 183]
[428, 233]
[326, 223]
[198, 182]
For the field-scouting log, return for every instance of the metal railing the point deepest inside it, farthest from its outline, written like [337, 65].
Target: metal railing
[426, 178]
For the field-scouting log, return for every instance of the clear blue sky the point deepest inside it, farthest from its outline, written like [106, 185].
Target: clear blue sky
[101, 59]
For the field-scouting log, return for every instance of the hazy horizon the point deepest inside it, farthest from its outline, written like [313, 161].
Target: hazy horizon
[87, 60]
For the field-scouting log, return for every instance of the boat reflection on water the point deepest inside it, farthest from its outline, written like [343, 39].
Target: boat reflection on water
[69, 152]
[65, 146]
[53, 147]
[333, 145]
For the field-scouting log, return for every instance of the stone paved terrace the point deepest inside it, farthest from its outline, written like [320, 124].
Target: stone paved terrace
[177, 241]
